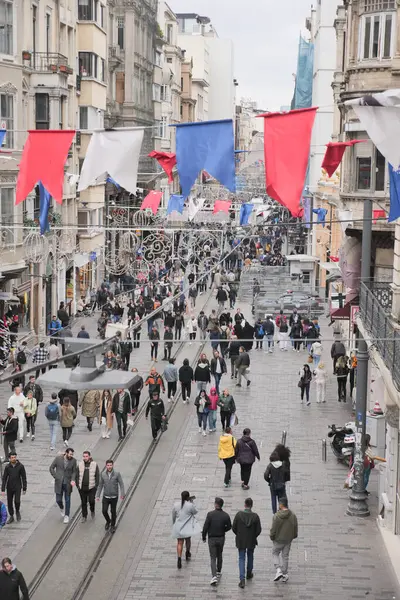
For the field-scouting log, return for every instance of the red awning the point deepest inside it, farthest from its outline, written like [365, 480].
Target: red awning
[343, 313]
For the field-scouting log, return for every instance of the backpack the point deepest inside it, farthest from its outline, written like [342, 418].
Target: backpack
[21, 357]
[52, 411]
[269, 328]
[224, 334]
[260, 330]
[283, 328]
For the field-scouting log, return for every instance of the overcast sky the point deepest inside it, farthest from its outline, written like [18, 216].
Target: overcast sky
[265, 34]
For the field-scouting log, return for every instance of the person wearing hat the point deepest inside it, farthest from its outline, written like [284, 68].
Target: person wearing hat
[216, 525]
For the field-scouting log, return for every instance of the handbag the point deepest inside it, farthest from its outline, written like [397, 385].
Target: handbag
[300, 384]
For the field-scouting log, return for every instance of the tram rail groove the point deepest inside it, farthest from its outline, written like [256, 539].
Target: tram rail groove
[103, 546]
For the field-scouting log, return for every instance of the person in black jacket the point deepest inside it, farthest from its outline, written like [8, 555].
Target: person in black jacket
[233, 353]
[122, 407]
[35, 388]
[242, 365]
[14, 482]
[275, 476]
[217, 523]
[247, 527]
[12, 582]
[156, 408]
[218, 368]
[284, 455]
[135, 390]
[186, 377]
[168, 342]
[246, 452]
[10, 431]
[202, 374]
[126, 349]
[155, 338]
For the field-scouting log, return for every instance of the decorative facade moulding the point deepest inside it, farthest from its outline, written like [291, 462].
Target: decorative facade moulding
[8, 88]
[9, 178]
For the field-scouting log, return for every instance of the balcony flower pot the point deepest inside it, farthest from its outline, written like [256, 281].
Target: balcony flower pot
[26, 55]
[70, 70]
[53, 68]
[63, 68]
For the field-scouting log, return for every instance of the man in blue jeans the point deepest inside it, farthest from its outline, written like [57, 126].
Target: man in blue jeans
[63, 469]
[247, 527]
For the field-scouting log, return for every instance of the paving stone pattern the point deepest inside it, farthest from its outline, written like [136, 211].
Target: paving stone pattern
[335, 556]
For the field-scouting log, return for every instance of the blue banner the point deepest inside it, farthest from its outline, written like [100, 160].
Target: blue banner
[176, 202]
[394, 176]
[245, 212]
[44, 198]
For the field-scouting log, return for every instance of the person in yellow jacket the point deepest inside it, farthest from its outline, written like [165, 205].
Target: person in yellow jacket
[226, 452]
[30, 410]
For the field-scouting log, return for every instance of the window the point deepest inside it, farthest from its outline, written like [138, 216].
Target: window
[158, 59]
[120, 32]
[61, 113]
[363, 173]
[88, 64]
[83, 117]
[85, 10]
[34, 14]
[377, 36]
[306, 277]
[156, 92]
[7, 212]
[7, 116]
[48, 42]
[164, 129]
[101, 15]
[164, 93]
[42, 112]
[169, 60]
[380, 171]
[377, 5]
[169, 33]
[96, 10]
[103, 70]
[6, 27]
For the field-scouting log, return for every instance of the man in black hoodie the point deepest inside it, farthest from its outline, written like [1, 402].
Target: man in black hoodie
[14, 482]
[247, 527]
[186, 377]
[12, 582]
[217, 523]
[155, 407]
[234, 354]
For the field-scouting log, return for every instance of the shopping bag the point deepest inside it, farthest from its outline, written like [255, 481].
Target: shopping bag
[129, 422]
[234, 420]
[348, 484]
[164, 424]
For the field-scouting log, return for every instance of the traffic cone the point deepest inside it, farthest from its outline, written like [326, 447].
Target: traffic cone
[377, 409]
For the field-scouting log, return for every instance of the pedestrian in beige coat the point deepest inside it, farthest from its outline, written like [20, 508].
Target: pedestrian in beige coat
[67, 417]
[90, 403]
[105, 413]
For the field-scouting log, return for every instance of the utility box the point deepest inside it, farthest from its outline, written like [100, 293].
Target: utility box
[376, 427]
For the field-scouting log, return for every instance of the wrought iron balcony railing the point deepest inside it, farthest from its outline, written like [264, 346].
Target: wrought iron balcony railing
[375, 308]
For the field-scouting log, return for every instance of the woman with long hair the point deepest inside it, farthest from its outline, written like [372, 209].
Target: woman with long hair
[304, 383]
[226, 452]
[284, 455]
[67, 416]
[184, 525]
[105, 413]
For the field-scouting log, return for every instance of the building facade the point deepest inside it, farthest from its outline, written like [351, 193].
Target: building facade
[368, 61]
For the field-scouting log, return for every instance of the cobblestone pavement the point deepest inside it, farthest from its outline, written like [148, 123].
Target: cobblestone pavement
[335, 556]
[36, 455]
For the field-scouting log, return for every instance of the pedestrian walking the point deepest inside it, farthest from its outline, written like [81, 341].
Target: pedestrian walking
[186, 377]
[135, 390]
[259, 334]
[126, 350]
[191, 327]
[337, 349]
[154, 341]
[40, 355]
[243, 366]
[17, 402]
[12, 582]
[296, 335]
[14, 483]
[67, 418]
[217, 368]
[168, 342]
[53, 415]
[269, 334]
[106, 418]
[179, 322]
[83, 334]
[212, 410]
[35, 388]
[90, 403]
[10, 431]
[227, 407]
[171, 377]
[87, 482]
[202, 322]
[202, 374]
[137, 332]
[63, 469]
[156, 408]
[304, 383]
[221, 297]
[216, 525]
[226, 452]
[155, 382]
[184, 525]
[341, 372]
[283, 531]
[321, 378]
[30, 410]
[202, 404]
[121, 408]
[112, 486]
[247, 527]
[233, 353]
[246, 452]
[316, 353]
[283, 330]
[276, 477]
[284, 455]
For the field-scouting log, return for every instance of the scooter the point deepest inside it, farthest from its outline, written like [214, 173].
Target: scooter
[343, 441]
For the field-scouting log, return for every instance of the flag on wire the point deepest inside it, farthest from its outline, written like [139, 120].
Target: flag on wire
[152, 200]
[287, 138]
[321, 214]
[176, 203]
[394, 176]
[111, 180]
[44, 204]
[166, 160]
[43, 159]
[195, 205]
[2, 136]
[334, 154]
[113, 152]
[245, 212]
[222, 205]
[205, 146]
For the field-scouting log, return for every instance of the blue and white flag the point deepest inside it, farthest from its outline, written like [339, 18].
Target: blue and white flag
[394, 176]
[44, 198]
[176, 203]
[245, 212]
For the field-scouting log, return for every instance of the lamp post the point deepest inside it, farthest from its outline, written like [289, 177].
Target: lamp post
[358, 505]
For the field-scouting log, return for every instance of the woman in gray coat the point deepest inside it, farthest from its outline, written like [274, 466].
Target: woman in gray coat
[184, 525]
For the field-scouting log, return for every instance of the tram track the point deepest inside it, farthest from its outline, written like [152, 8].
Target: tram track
[61, 543]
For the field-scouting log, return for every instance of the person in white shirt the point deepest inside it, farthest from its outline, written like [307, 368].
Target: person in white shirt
[54, 352]
[316, 352]
[17, 402]
[191, 326]
[320, 378]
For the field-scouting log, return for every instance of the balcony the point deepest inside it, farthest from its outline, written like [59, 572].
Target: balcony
[52, 61]
[375, 311]
[115, 56]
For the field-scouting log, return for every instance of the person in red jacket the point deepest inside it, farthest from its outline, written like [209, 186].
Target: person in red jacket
[212, 413]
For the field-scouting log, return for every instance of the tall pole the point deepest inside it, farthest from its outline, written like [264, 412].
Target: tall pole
[358, 505]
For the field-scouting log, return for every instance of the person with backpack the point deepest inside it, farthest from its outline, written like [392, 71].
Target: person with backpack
[337, 349]
[283, 329]
[224, 337]
[275, 476]
[259, 334]
[221, 297]
[21, 357]
[52, 414]
[202, 375]
[3, 515]
[296, 335]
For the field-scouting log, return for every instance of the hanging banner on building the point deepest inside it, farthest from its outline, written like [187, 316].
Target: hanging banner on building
[166, 160]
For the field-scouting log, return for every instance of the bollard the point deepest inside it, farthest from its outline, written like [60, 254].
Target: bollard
[283, 441]
[324, 450]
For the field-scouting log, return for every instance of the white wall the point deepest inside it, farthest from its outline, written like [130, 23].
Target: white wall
[221, 98]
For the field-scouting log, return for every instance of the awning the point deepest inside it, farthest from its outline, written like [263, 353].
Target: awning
[330, 266]
[342, 314]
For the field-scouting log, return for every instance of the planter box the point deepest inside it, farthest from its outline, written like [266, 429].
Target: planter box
[26, 55]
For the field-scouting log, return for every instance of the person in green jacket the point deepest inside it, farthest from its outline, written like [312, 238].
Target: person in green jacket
[283, 531]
